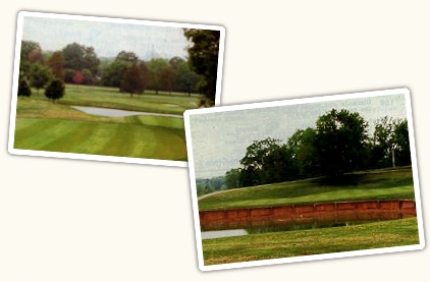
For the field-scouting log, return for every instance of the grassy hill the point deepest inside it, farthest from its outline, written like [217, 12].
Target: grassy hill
[388, 184]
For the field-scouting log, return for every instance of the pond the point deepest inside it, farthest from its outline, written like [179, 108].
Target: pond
[118, 113]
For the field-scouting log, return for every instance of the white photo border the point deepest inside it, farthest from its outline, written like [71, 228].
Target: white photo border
[347, 96]
[12, 120]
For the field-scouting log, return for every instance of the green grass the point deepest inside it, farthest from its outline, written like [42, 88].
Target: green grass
[309, 242]
[382, 185]
[109, 97]
[42, 125]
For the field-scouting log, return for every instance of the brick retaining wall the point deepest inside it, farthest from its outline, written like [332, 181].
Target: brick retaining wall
[294, 214]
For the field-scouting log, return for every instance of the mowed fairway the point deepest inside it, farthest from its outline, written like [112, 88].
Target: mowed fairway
[378, 185]
[309, 242]
[42, 125]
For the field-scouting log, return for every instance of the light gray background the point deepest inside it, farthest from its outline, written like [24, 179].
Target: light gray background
[68, 220]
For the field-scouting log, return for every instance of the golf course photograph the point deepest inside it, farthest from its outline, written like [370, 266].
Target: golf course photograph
[110, 89]
[306, 179]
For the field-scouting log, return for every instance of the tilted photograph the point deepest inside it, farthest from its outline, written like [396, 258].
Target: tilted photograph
[99, 88]
[306, 179]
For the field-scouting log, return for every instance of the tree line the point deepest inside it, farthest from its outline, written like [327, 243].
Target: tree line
[338, 144]
[79, 64]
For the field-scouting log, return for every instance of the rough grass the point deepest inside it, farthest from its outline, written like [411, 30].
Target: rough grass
[396, 184]
[309, 242]
[42, 125]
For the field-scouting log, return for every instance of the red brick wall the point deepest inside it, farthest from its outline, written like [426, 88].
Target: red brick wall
[338, 211]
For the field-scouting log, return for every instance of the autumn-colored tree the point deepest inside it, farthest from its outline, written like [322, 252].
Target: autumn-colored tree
[56, 63]
[35, 56]
[78, 78]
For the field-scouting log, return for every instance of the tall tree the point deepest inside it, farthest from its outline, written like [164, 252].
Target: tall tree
[56, 63]
[341, 141]
[186, 79]
[168, 78]
[114, 73]
[133, 81]
[383, 141]
[26, 48]
[304, 152]
[401, 138]
[156, 67]
[203, 56]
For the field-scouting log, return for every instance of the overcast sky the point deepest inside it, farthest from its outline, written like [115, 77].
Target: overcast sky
[220, 140]
[107, 38]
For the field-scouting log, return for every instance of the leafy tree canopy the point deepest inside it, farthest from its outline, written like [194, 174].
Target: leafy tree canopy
[203, 57]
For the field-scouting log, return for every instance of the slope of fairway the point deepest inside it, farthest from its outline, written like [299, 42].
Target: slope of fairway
[109, 97]
[396, 184]
[318, 241]
[101, 138]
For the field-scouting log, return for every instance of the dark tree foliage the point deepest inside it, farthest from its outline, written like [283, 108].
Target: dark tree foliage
[338, 145]
[267, 161]
[127, 56]
[304, 152]
[79, 57]
[23, 88]
[341, 142]
[55, 90]
[168, 80]
[133, 81]
[203, 57]
[114, 73]
[401, 138]
[40, 75]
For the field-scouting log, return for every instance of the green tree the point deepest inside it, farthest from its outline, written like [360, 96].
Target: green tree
[203, 57]
[40, 75]
[133, 82]
[401, 138]
[341, 142]
[186, 79]
[304, 152]
[55, 90]
[232, 178]
[114, 73]
[79, 57]
[26, 48]
[383, 142]
[267, 161]
[156, 67]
